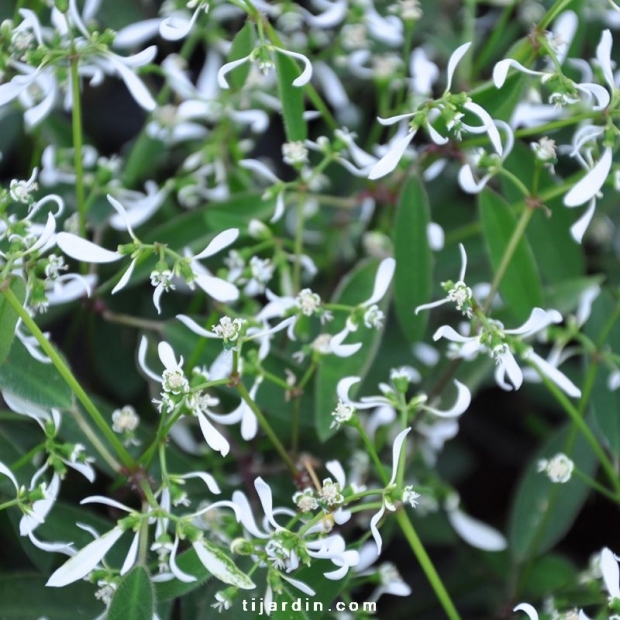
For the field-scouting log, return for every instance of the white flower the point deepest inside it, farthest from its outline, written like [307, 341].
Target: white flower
[458, 293]
[559, 469]
[306, 500]
[87, 559]
[125, 420]
[383, 279]
[263, 55]
[308, 302]
[492, 341]
[228, 329]
[342, 414]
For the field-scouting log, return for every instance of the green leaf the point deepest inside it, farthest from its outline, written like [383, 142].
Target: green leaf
[413, 275]
[564, 296]
[520, 287]
[242, 46]
[40, 384]
[292, 98]
[543, 512]
[24, 596]
[354, 289]
[134, 597]
[8, 316]
[549, 573]
[290, 607]
[605, 403]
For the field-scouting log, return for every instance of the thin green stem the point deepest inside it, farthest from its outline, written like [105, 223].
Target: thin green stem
[277, 444]
[27, 458]
[299, 243]
[465, 68]
[427, 566]
[76, 119]
[593, 484]
[67, 375]
[94, 439]
[552, 13]
[370, 447]
[12, 502]
[507, 257]
[580, 423]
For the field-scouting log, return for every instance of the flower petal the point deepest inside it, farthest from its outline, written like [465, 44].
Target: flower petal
[306, 74]
[456, 57]
[591, 183]
[390, 160]
[476, 533]
[528, 609]
[217, 288]
[611, 572]
[85, 560]
[219, 242]
[84, 250]
[383, 279]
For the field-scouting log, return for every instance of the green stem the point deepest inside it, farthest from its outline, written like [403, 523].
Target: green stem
[507, 257]
[27, 458]
[580, 423]
[12, 502]
[299, 243]
[277, 444]
[94, 439]
[596, 486]
[67, 375]
[552, 13]
[427, 566]
[373, 453]
[465, 68]
[76, 118]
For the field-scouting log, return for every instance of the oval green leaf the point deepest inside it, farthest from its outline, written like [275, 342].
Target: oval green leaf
[520, 286]
[24, 596]
[604, 402]
[414, 269]
[32, 381]
[292, 98]
[134, 597]
[242, 46]
[543, 512]
[8, 316]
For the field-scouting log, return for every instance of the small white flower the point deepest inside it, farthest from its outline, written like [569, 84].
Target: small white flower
[545, 150]
[559, 469]
[458, 293]
[410, 496]
[306, 500]
[308, 302]
[342, 414]
[228, 329]
[21, 191]
[125, 420]
[294, 153]
[263, 56]
[374, 317]
[330, 492]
